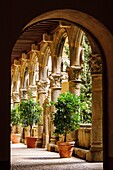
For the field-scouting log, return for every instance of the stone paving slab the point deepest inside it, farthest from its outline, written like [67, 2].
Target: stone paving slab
[23, 158]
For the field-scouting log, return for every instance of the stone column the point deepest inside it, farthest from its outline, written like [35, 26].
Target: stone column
[74, 77]
[23, 94]
[16, 101]
[11, 101]
[46, 123]
[41, 90]
[16, 82]
[25, 131]
[11, 95]
[16, 97]
[55, 84]
[74, 73]
[96, 149]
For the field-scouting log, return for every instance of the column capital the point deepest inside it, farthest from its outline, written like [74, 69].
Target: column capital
[55, 80]
[95, 64]
[17, 63]
[16, 97]
[42, 86]
[23, 94]
[74, 73]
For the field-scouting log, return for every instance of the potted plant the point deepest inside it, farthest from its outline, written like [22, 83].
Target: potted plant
[15, 121]
[66, 119]
[30, 115]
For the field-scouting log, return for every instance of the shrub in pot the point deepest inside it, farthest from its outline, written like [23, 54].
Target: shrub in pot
[15, 121]
[30, 115]
[66, 119]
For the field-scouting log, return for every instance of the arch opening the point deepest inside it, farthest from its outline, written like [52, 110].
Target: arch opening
[98, 45]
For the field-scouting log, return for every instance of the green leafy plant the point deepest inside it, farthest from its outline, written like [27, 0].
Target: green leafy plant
[15, 117]
[86, 83]
[66, 118]
[30, 113]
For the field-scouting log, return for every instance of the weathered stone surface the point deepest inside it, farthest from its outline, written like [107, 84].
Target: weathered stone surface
[81, 153]
[94, 156]
[84, 137]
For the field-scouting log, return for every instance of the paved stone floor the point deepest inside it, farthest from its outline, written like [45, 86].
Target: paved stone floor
[23, 158]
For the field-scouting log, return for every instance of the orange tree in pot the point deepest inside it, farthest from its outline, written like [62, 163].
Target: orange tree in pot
[66, 119]
[30, 115]
[15, 121]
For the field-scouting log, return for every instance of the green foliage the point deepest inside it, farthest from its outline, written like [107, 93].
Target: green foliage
[86, 84]
[30, 113]
[15, 116]
[67, 115]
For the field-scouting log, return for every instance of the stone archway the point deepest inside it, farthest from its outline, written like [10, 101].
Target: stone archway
[96, 30]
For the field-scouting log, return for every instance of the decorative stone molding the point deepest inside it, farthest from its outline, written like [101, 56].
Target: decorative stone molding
[42, 85]
[64, 76]
[55, 80]
[16, 97]
[47, 38]
[23, 94]
[95, 64]
[74, 73]
[24, 64]
[15, 70]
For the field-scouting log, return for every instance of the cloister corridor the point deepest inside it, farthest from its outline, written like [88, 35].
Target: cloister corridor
[57, 52]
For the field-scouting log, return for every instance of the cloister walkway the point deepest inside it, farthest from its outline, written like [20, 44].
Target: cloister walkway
[23, 158]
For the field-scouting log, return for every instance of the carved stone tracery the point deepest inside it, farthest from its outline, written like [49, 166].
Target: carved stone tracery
[95, 64]
[16, 97]
[42, 85]
[23, 94]
[74, 73]
[55, 80]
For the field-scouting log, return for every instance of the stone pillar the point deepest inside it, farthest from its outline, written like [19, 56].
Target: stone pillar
[41, 90]
[23, 94]
[74, 73]
[16, 97]
[16, 82]
[11, 95]
[25, 131]
[46, 123]
[11, 101]
[74, 77]
[96, 149]
[55, 84]
[16, 101]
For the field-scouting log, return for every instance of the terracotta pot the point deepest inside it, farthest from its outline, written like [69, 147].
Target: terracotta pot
[65, 149]
[15, 138]
[31, 142]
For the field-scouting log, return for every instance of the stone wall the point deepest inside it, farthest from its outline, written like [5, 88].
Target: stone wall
[84, 136]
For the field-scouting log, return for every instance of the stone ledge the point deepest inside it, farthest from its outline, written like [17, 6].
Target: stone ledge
[79, 152]
[52, 147]
[94, 156]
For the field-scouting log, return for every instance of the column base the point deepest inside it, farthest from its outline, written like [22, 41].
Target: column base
[45, 140]
[52, 147]
[52, 141]
[94, 156]
[39, 143]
